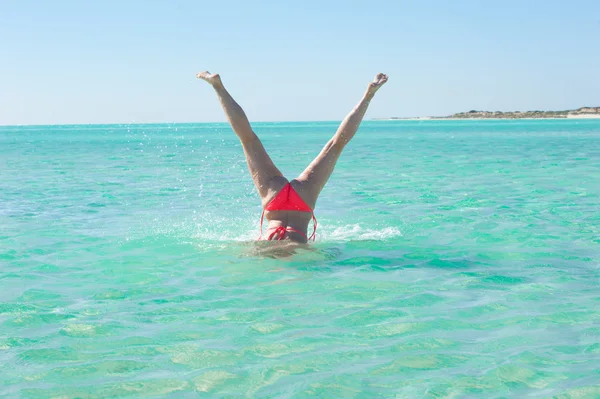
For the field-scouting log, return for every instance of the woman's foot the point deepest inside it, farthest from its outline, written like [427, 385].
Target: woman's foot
[379, 81]
[213, 78]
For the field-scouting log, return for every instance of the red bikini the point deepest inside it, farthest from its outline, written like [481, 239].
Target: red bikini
[287, 200]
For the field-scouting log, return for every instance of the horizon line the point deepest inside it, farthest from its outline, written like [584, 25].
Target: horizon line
[384, 119]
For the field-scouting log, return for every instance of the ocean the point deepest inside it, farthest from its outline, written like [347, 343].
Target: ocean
[454, 259]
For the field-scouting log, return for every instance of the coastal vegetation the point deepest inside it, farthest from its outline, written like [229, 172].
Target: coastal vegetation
[583, 112]
[474, 114]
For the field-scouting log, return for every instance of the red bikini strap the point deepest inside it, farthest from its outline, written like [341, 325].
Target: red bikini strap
[279, 229]
[313, 236]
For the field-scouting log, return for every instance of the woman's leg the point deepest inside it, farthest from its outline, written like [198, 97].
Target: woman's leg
[265, 174]
[314, 177]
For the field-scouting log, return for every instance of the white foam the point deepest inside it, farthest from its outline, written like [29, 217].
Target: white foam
[357, 232]
[353, 232]
[210, 231]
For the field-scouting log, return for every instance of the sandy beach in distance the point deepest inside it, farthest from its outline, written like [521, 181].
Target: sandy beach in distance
[583, 116]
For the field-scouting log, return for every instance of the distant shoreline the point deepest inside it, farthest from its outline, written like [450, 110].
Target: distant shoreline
[224, 123]
[441, 118]
[580, 113]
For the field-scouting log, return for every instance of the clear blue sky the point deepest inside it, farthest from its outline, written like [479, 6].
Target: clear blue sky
[74, 61]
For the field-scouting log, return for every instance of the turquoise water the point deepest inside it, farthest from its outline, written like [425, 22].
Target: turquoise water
[454, 259]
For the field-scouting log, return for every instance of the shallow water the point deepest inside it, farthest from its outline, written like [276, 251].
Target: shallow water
[453, 259]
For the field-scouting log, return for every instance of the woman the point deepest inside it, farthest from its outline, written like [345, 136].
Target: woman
[288, 205]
